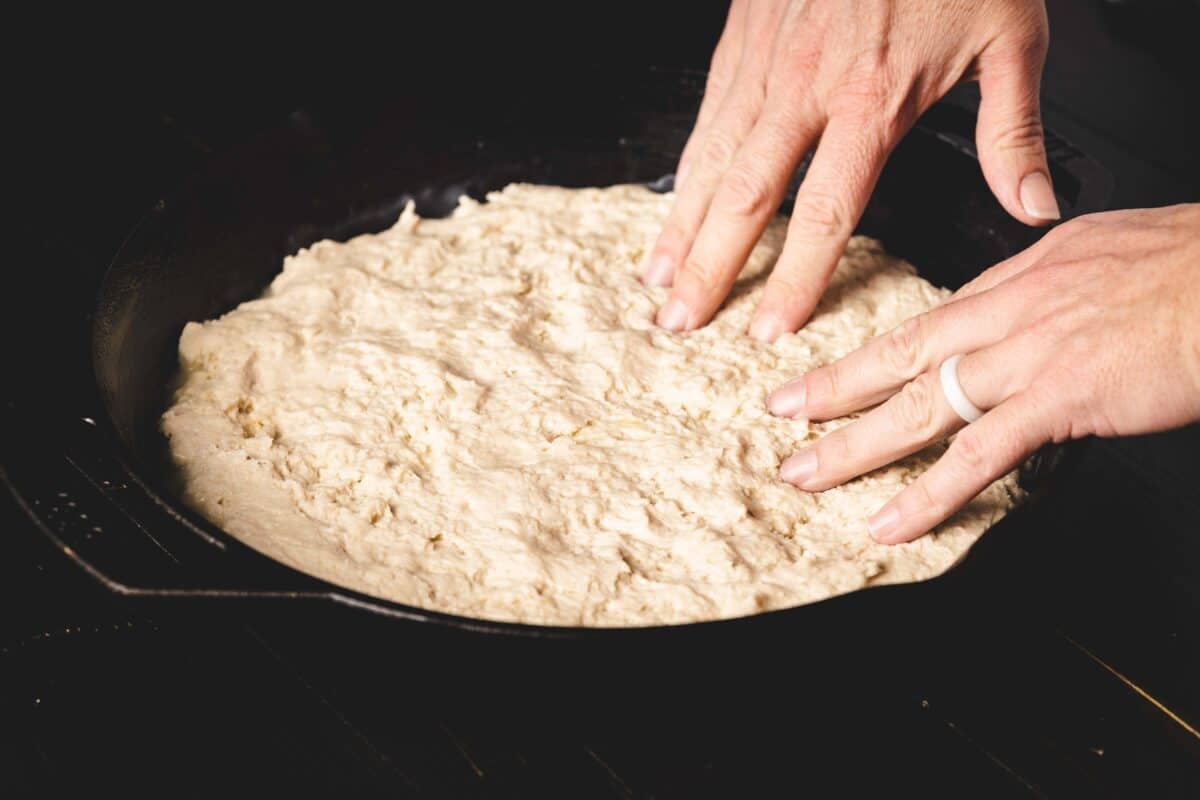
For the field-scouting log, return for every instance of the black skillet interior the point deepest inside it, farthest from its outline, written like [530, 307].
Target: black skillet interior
[220, 239]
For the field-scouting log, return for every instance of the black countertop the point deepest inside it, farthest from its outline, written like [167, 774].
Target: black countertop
[1078, 681]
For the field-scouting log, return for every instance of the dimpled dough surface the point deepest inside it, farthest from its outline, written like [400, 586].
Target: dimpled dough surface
[478, 415]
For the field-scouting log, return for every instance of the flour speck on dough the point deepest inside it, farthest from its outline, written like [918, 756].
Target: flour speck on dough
[478, 415]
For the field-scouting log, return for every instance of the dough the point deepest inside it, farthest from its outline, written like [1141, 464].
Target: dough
[477, 415]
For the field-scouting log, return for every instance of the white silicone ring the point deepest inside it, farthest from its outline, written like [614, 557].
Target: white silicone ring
[954, 393]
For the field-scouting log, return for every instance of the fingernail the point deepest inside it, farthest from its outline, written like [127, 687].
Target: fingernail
[673, 316]
[883, 524]
[660, 271]
[767, 328]
[787, 400]
[1037, 197]
[799, 468]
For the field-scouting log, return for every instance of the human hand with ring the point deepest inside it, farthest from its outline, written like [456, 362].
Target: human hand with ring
[1093, 331]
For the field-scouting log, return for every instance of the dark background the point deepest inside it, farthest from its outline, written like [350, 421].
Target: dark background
[1078, 681]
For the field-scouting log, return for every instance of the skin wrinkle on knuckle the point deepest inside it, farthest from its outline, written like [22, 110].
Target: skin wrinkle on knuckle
[702, 274]
[835, 455]
[717, 150]
[1024, 134]
[802, 57]
[969, 455]
[869, 98]
[743, 193]
[903, 346]
[925, 501]
[782, 126]
[821, 386]
[818, 214]
[911, 409]
[754, 88]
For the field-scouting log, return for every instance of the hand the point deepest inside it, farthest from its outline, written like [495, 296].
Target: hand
[1095, 330]
[855, 76]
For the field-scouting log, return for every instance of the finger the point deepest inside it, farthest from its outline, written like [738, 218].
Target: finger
[916, 417]
[828, 205]
[981, 453]
[716, 151]
[1008, 133]
[721, 72]
[876, 370]
[912, 419]
[745, 200]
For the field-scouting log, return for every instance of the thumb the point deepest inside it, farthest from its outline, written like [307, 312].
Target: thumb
[1008, 134]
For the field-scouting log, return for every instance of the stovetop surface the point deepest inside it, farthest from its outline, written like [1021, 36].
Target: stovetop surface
[1088, 689]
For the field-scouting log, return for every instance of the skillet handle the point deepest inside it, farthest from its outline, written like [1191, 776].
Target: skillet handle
[94, 511]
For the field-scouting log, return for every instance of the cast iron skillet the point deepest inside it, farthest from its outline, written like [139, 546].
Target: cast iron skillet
[221, 238]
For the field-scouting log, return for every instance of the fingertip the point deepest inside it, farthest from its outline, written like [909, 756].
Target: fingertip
[788, 400]
[767, 328]
[884, 526]
[673, 316]
[798, 468]
[659, 270]
[783, 308]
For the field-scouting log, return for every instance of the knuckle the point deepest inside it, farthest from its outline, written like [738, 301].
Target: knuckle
[673, 240]
[1060, 234]
[1047, 329]
[743, 192]
[702, 272]
[863, 95]
[822, 386]
[835, 451]
[924, 498]
[718, 150]
[912, 408]
[1053, 277]
[1077, 352]
[819, 215]
[784, 124]
[801, 57]
[1023, 134]
[875, 96]
[902, 348]
[969, 454]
